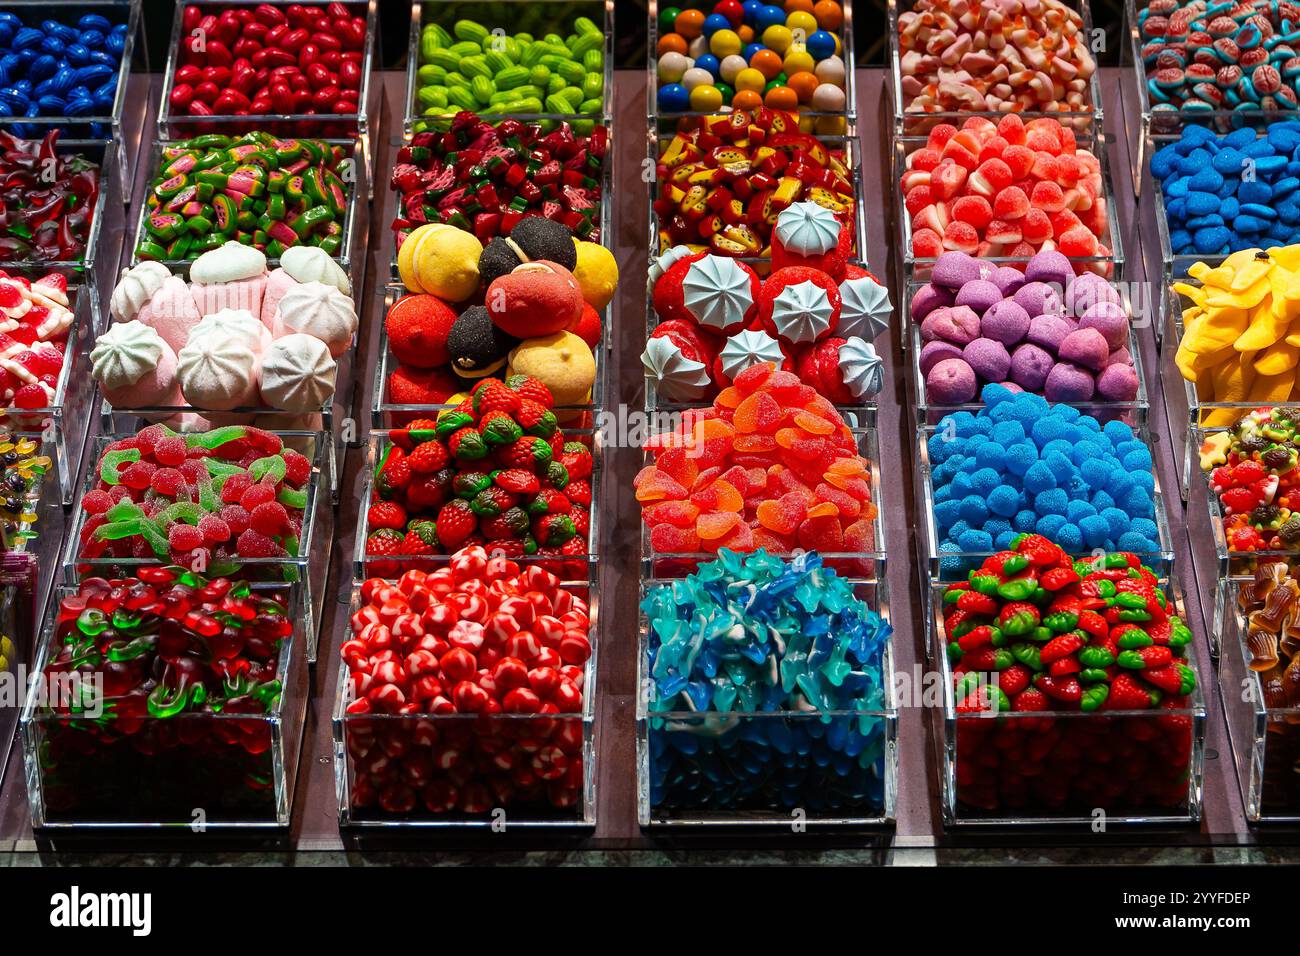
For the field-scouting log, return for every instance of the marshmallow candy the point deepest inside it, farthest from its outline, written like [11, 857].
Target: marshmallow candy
[135, 367]
[298, 373]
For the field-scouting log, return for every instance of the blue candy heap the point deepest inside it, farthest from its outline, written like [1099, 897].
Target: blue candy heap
[53, 68]
[1228, 193]
[1023, 464]
[752, 633]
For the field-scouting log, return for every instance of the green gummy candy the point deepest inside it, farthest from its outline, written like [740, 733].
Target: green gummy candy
[291, 498]
[184, 511]
[215, 438]
[112, 462]
[272, 466]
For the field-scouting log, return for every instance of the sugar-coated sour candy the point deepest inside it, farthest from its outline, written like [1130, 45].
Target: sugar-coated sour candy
[47, 200]
[1032, 631]
[484, 68]
[267, 59]
[1006, 189]
[724, 181]
[755, 634]
[1227, 193]
[1239, 330]
[1042, 330]
[153, 653]
[61, 66]
[770, 465]
[257, 189]
[207, 500]
[1201, 56]
[497, 470]
[1000, 57]
[479, 635]
[35, 319]
[484, 176]
[1252, 471]
[1022, 464]
[729, 55]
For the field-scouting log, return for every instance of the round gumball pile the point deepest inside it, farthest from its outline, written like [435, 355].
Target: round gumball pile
[47, 200]
[1006, 189]
[59, 67]
[205, 501]
[1032, 631]
[497, 469]
[1252, 471]
[35, 319]
[1024, 465]
[1203, 57]
[770, 465]
[754, 634]
[1042, 330]
[254, 189]
[814, 314]
[166, 642]
[526, 304]
[1000, 57]
[233, 336]
[475, 67]
[485, 177]
[1228, 193]
[742, 56]
[267, 59]
[1238, 331]
[724, 181]
[477, 636]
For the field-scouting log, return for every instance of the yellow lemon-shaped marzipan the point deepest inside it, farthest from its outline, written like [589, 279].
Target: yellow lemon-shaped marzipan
[440, 260]
[561, 361]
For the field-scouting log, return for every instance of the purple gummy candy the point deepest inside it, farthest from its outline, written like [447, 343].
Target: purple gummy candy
[979, 295]
[1088, 290]
[1068, 383]
[1048, 331]
[988, 358]
[954, 269]
[1118, 383]
[1120, 357]
[1110, 319]
[1005, 321]
[1030, 366]
[928, 298]
[935, 352]
[958, 324]
[1086, 347]
[1007, 279]
[1039, 298]
[951, 382]
[1049, 266]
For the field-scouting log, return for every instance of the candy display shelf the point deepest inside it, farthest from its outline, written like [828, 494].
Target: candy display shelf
[504, 19]
[918, 830]
[912, 123]
[175, 122]
[824, 122]
[236, 769]
[931, 413]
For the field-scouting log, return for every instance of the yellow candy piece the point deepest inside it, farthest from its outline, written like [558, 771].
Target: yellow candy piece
[1273, 388]
[1277, 359]
[1214, 330]
[1232, 381]
[1247, 298]
[1288, 257]
[1214, 450]
[1265, 328]
[1193, 292]
[1248, 273]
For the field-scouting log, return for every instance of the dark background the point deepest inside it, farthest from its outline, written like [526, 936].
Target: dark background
[870, 37]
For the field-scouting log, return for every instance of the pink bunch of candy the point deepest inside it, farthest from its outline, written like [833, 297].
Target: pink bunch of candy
[242, 60]
[479, 636]
[34, 322]
[1005, 189]
[997, 56]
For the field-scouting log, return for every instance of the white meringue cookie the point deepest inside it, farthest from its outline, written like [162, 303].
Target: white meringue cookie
[864, 308]
[748, 347]
[134, 366]
[236, 325]
[314, 264]
[228, 263]
[218, 373]
[678, 378]
[315, 308]
[135, 288]
[716, 290]
[298, 373]
[802, 312]
[862, 368]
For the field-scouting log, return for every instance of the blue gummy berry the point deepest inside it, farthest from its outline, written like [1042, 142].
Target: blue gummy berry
[1039, 478]
[1004, 500]
[1069, 537]
[1051, 502]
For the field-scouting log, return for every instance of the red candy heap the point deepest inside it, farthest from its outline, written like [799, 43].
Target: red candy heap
[266, 59]
[47, 200]
[479, 636]
[1007, 189]
[771, 465]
